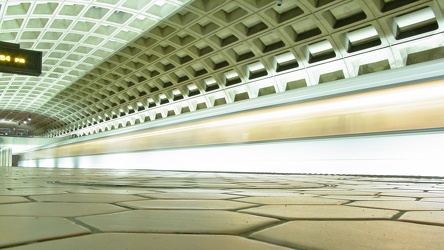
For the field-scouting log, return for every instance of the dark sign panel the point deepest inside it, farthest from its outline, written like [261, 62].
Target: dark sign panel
[20, 61]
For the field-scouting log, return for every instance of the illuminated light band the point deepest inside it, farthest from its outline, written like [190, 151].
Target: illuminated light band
[403, 108]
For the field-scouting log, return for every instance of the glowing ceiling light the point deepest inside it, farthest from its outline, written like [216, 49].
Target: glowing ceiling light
[412, 20]
[286, 57]
[192, 87]
[363, 34]
[320, 47]
[231, 74]
[160, 2]
[256, 66]
[140, 17]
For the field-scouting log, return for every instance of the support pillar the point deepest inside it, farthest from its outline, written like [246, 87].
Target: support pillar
[5, 157]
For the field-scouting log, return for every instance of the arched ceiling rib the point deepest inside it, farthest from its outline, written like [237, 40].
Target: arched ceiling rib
[209, 53]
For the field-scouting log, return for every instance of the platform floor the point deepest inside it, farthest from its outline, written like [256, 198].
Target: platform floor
[139, 209]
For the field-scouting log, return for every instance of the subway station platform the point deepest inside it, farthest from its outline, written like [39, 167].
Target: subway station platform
[141, 209]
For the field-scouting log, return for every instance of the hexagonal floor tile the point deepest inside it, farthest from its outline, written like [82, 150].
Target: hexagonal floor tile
[61, 209]
[32, 191]
[413, 194]
[433, 199]
[187, 204]
[433, 217]
[18, 230]
[368, 198]
[354, 235]
[12, 199]
[319, 212]
[190, 196]
[177, 221]
[192, 190]
[339, 192]
[400, 205]
[115, 191]
[262, 192]
[136, 241]
[276, 200]
[98, 198]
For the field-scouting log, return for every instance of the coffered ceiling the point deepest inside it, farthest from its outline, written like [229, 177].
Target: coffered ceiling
[109, 64]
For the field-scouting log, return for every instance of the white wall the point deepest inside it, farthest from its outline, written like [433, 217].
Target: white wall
[21, 144]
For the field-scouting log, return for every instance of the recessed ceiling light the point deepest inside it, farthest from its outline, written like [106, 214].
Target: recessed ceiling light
[140, 17]
[160, 2]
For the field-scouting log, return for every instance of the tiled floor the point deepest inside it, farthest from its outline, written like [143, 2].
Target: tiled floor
[139, 209]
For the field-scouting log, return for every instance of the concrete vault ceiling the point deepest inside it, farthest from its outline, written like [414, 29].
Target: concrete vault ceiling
[109, 64]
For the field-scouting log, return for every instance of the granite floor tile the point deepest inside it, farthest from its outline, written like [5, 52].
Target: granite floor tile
[177, 221]
[101, 183]
[273, 193]
[192, 190]
[401, 190]
[191, 195]
[116, 191]
[339, 192]
[301, 200]
[221, 186]
[400, 205]
[304, 184]
[368, 198]
[12, 199]
[187, 204]
[53, 188]
[433, 199]
[18, 185]
[439, 192]
[354, 235]
[80, 198]
[193, 210]
[31, 191]
[18, 230]
[160, 185]
[291, 212]
[432, 217]
[421, 186]
[57, 209]
[438, 188]
[413, 194]
[137, 241]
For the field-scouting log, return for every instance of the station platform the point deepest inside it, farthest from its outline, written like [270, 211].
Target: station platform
[141, 209]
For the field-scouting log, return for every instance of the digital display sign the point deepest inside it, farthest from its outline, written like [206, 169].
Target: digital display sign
[20, 61]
